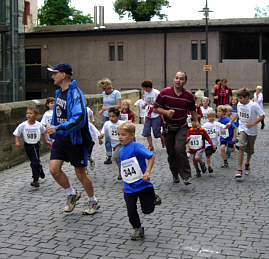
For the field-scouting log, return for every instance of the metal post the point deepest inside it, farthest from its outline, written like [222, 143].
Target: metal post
[206, 44]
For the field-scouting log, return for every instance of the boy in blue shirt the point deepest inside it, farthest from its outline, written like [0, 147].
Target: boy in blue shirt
[227, 136]
[136, 177]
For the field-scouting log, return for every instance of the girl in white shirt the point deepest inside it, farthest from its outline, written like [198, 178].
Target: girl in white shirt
[258, 98]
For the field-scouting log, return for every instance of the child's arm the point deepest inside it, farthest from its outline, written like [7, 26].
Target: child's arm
[146, 175]
[92, 119]
[235, 134]
[17, 141]
[252, 124]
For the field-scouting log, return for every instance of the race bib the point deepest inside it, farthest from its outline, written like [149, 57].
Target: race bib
[124, 116]
[130, 170]
[212, 132]
[31, 136]
[196, 142]
[244, 114]
[224, 133]
[113, 132]
[189, 121]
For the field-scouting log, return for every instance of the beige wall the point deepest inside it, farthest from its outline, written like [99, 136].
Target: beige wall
[144, 59]
[12, 114]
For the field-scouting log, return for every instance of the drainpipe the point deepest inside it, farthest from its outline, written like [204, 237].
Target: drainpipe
[164, 60]
[13, 48]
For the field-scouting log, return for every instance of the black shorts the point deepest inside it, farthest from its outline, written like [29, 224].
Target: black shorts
[223, 142]
[62, 149]
[209, 151]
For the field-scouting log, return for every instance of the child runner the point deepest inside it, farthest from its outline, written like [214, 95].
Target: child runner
[94, 134]
[204, 109]
[196, 138]
[31, 131]
[110, 128]
[258, 98]
[227, 136]
[142, 112]
[234, 103]
[47, 116]
[250, 114]
[126, 113]
[153, 120]
[229, 114]
[135, 173]
[213, 129]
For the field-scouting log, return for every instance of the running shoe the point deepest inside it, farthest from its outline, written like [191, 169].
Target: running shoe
[238, 174]
[42, 174]
[158, 200]
[92, 165]
[247, 170]
[108, 161]
[225, 165]
[187, 181]
[198, 172]
[203, 167]
[138, 234]
[71, 202]
[35, 184]
[92, 207]
[210, 170]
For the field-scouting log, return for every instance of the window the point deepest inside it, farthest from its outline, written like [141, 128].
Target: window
[203, 49]
[111, 51]
[33, 64]
[120, 51]
[194, 50]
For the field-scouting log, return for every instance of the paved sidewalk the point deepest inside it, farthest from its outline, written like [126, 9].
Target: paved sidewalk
[215, 217]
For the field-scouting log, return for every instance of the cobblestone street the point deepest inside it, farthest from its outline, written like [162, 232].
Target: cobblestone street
[215, 217]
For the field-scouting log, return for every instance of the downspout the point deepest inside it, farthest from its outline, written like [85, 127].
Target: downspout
[164, 60]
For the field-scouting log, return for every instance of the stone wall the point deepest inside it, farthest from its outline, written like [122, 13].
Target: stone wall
[12, 114]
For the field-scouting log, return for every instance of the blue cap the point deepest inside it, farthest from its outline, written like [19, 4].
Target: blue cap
[62, 67]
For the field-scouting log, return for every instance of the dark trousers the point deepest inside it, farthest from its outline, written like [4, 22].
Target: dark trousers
[147, 201]
[32, 151]
[176, 149]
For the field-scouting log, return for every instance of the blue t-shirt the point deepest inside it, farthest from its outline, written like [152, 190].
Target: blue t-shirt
[110, 99]
[224, 121]
[134, 149]
[236, 123]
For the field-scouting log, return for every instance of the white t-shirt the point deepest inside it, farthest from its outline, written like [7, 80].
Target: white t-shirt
[142, 111]
[31, 132]
[47, 117]
[259, 100]
[111, 129]
[90, 113]
[213, 130]
[204, 112]
[95, 133]
[248, 113]
[149, 99]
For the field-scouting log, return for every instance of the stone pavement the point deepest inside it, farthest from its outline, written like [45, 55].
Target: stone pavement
[215, 217]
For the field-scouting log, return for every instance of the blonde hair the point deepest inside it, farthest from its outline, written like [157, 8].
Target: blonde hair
[211, 112]
[222, 108]
[105, 83]
[259, 87]
[127, 126]
[126, 101]
[229, 108]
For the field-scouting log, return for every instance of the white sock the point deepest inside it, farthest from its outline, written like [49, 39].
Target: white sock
[93, 198]
[70, 191]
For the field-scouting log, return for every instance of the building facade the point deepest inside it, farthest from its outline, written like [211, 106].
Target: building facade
[12, 63]
[131, 52]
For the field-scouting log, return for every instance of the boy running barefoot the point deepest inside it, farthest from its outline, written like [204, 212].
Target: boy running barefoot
[250, 114]
[196, 138]
[135, 173]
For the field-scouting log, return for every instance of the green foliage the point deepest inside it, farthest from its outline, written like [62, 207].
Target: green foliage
[141, 10]
[58, 12]
[261, 12]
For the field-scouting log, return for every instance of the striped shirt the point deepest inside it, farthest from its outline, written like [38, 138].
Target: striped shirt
[223, 95]
[168, 100]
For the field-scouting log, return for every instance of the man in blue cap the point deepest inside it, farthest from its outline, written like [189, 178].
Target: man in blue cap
[69, 128]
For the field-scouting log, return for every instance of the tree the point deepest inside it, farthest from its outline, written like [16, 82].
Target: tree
[261, 12]
[141, 10]
[58, 12]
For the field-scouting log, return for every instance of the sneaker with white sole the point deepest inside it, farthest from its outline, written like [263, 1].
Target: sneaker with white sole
[138, 234]
[247, 169]
[71, 202]
[92, 207]
[238, 174]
